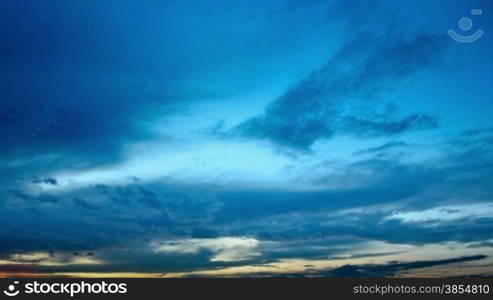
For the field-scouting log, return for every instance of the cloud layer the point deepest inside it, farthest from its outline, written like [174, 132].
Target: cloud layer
[278, 138]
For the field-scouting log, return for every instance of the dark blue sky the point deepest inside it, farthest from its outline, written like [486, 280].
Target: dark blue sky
[175, 138]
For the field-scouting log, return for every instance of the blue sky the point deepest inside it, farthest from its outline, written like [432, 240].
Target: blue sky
[252, 138]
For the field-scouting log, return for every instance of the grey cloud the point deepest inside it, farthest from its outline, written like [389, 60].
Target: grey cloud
[363, 127]
[476, 132]
[315, 108]
[368, 270]
[148, 198]
[390, 269]
[481, 244]
[51, 181]
[393, 181]
[43, 198]
[83, 203]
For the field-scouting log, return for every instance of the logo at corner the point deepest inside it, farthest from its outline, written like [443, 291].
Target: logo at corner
[11, 291]
[465, 24]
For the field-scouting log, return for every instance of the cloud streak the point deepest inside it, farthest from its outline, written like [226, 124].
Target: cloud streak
[317, 106]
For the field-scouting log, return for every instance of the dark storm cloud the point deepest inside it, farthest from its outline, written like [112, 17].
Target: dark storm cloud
[316, 107]
[76, 82]
[102, 216]
[84, 79]
[304, 223]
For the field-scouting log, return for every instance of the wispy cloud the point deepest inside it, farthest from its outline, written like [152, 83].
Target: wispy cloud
[225, 249]
[318, 107]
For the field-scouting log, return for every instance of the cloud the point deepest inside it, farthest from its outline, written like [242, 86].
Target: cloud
[179, 204]
[395, 222]
[317, 107]
[390, 182]
[391, 269]
[225, 249]
[51, 181]
[441, 216]
[84, 204]
[100, 216]
[369, 128]
[386, 146]
[385, 265]
[478, 132]
[43, 198]
[49, 259]
[301, 223]
[486, 243]
[83, 94]
[89, 109]
[125, 194]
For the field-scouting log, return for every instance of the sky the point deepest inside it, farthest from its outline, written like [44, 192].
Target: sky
[320, 138]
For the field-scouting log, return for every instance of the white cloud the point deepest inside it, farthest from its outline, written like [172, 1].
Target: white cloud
[47, 259]
[225, 249]
[438, 215]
